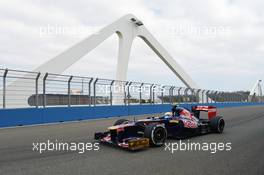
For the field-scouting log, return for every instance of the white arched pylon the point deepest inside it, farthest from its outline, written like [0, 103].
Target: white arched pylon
[127, 28]
[256, 91]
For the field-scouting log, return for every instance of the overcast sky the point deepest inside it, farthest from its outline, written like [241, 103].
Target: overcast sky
[219, 43]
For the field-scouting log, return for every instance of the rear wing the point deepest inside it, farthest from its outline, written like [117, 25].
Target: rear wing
[211, 110]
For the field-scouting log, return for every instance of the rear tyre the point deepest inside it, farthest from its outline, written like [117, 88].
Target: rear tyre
[217, 124]
[156, 133]
[120, 122]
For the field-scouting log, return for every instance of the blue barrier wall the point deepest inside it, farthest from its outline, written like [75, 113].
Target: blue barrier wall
[30, 116]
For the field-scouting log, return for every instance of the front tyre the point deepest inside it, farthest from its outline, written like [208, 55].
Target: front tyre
[217, 124]
[156, 133]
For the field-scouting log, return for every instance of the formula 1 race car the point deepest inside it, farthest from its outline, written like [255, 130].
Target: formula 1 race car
[153, 131]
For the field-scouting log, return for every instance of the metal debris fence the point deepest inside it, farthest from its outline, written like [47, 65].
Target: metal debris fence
[22, 89]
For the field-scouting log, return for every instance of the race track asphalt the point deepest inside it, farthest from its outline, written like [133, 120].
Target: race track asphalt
[244, 129]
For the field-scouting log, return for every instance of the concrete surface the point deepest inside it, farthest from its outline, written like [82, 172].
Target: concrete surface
[244, 129]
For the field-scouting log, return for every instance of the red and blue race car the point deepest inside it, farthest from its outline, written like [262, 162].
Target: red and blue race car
[153, 131]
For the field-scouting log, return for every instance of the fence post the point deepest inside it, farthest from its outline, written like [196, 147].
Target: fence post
[232, 96]
[89, 91]
[186, 94]
[224, 96]
[36, 88]
[203, 96]
[69, 91]
[192, 96]
[125, 94]
[212, 96]
[173, 87]
[44, 89]
[216, 96]
[4, 88]
[150, 93]
[140, 93]
[170, 95]
[207, 96]
[128, 93]
[220, 96]
[111, 93]
[153, 92]
[162, 94]
[198, 95]
[94, 88]
[240, 97]
[179, 94]
[229, 97]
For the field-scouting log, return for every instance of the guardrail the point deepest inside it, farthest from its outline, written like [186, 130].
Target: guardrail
[23, 89]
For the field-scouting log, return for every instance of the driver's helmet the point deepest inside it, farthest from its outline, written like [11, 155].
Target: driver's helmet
[167, 114]
[176, 110]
